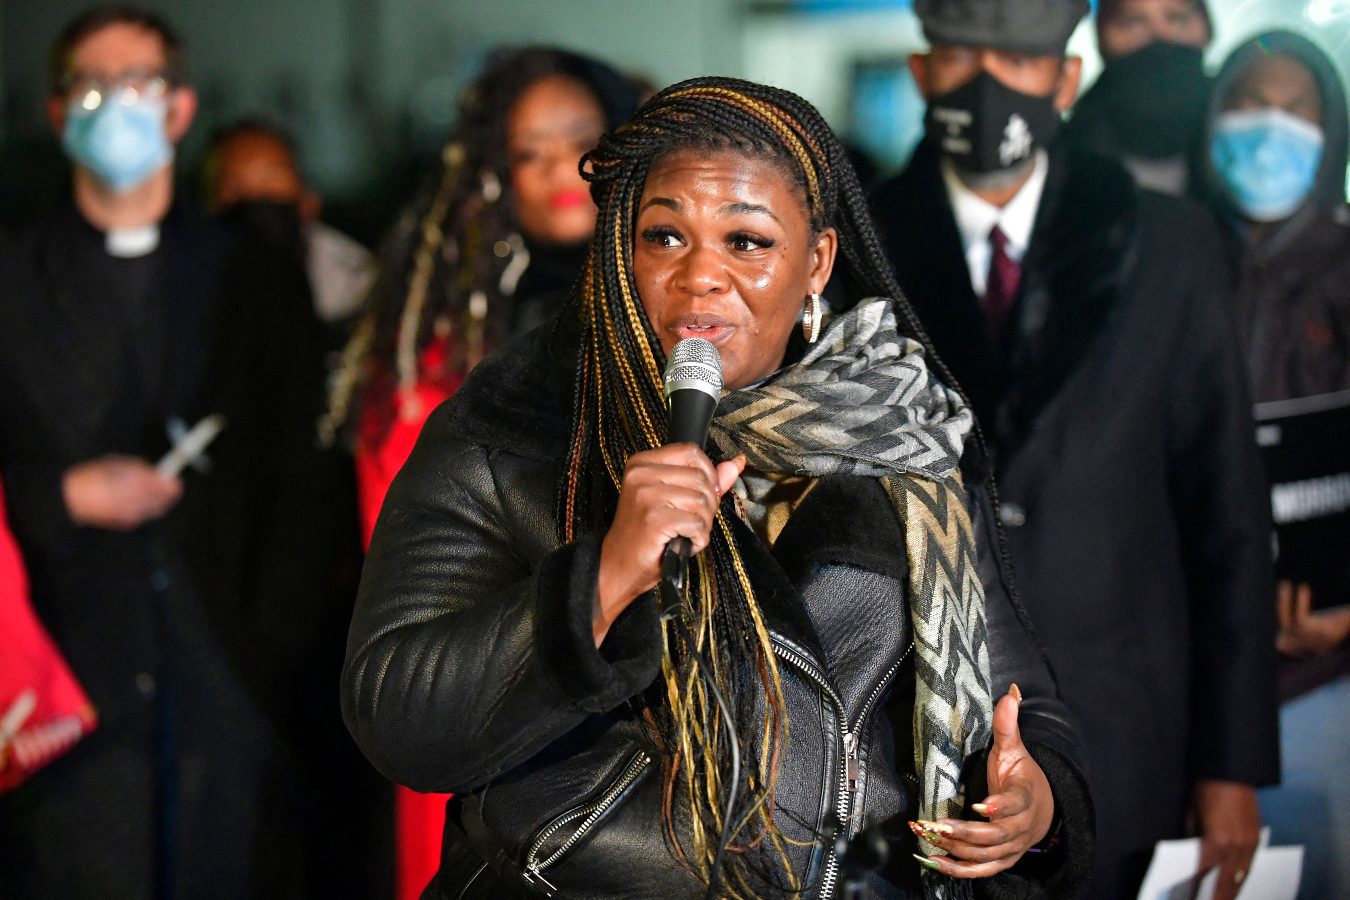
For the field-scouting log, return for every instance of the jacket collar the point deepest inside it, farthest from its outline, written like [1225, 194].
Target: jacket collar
[1080, 258]
[521, 396]
[976, 218]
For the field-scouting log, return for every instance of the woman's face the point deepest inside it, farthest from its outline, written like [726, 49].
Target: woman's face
[724, 251]
[555, 121]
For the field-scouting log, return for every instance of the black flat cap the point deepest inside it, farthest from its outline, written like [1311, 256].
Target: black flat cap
[1038, 27]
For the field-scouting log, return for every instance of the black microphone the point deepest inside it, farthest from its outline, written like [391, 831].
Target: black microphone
[693, 386]
[693, 379]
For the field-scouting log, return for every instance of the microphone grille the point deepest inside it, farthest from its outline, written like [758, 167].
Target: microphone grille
[694, 363]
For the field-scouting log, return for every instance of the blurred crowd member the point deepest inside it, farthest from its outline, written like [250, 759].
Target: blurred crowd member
[253, 177]
[43, 709]
[186, 604]
[1278, 140]
[1117, 411]
[487, 253]
[1278, 158]
[1147, 108]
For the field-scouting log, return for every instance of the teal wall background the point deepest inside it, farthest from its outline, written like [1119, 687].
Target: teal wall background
[368, 87]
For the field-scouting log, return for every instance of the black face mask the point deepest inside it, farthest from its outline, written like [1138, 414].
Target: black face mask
[1155, 99]
[274, 223]
[984, 126]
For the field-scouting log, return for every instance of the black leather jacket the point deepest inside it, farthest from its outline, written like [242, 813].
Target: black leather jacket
[471, 667]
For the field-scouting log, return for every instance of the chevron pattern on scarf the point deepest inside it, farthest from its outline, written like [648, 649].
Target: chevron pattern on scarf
[953, 706]
[861, 402]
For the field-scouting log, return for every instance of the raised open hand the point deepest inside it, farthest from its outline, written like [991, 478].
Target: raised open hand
[1019, 808]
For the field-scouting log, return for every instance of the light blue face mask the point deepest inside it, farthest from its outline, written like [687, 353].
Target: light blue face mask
[122, 144]
[1268, 159]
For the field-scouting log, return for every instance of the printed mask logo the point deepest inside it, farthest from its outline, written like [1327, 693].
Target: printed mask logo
[956, 122]
[1017, 141]
[985, 126]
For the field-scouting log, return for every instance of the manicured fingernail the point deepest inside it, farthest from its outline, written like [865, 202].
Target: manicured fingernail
[981, 808]
[1015, 691]
[933, 832]
[928, 863]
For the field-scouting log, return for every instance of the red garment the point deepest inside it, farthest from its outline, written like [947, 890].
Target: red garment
[33, 674]
[419, 819]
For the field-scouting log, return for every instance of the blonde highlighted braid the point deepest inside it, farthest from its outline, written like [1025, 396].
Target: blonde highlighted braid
[619, 409]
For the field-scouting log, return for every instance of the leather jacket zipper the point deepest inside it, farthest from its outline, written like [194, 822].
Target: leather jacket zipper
[848, 760]
[589, 814]
[877, 691]
[849, 769]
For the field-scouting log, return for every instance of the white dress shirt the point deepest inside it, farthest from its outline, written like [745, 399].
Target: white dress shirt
[976, 217]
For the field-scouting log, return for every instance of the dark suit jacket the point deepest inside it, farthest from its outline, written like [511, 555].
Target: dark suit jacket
[1119, 421]
[193, 634]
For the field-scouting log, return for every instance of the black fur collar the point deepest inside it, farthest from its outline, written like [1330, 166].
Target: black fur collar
[520, 397]
[1079, 262]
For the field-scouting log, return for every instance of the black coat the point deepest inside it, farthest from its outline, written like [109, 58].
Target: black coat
[1292, 293]
[195, 636]
[1293, 306]
[471, 665]
[1119, 419]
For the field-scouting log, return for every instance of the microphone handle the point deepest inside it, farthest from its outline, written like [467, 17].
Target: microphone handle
[691, 413]
[674, 574]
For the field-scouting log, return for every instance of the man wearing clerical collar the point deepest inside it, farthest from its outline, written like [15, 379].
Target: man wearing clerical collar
[188, 603]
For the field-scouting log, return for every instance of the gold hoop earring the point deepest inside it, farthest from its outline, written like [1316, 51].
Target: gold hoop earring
[813, 314]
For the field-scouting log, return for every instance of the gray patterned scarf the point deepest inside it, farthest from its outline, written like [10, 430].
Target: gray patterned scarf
[861, 402]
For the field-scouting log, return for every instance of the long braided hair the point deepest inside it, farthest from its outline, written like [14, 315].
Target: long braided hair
[452, 264]
[619, 409]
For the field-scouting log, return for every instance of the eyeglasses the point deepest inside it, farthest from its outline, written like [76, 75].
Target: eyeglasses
[90, 91]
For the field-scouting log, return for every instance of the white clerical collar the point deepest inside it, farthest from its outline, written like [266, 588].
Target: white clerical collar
[128, 243]
[976, 217]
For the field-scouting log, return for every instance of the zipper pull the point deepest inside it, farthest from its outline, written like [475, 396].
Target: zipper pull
[851, 761]
[532, 875]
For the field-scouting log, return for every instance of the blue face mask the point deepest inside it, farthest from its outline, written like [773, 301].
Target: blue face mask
[121, 144]
[1268, 159]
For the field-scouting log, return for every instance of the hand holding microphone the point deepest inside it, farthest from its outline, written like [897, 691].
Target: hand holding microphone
[668, 494]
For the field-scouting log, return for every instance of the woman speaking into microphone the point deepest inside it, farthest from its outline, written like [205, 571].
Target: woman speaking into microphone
[828, 707]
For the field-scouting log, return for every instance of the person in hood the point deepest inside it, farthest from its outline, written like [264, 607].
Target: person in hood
[1277, 166]
[1147, 108]
[1084, 319]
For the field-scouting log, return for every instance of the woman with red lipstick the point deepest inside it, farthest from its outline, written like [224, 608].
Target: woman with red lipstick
[845, 655]
[486, 253]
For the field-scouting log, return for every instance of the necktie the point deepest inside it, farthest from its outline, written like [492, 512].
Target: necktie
[1005, 274]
